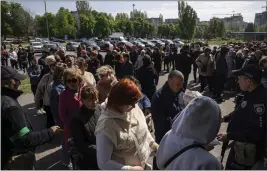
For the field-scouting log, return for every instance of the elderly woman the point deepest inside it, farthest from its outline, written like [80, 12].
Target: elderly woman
[123, 140]
[69, 60]
[183, 147]
[88, 77]
[43, 90]
[83, 128]
[106, 82]
[57, 86]
[70, 99]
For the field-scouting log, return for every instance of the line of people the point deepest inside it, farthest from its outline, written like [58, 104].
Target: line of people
[104, 111]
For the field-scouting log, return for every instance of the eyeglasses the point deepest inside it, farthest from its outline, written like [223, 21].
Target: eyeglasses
[73, 80]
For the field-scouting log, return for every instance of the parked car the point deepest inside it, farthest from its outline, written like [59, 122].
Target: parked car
[146, 43]
[167, 41]
[7, 42]
[178, 43]
[46, 47]
[104, 45]
[158, 43]
[90, 44]
[115, 40]
[58, 40]
[72, 46]
[36, 46]
[17, 41]
[128, 45]
[138, 44]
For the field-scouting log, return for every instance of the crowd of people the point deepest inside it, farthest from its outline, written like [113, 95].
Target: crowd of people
[111, 116]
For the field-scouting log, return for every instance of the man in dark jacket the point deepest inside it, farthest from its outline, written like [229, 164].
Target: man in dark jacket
[183, 63]
[220, 73]
[247, 124]
[166, 103]
[127, 66]
[109, 59]
[156, 58]
[147, 75]
[99, 56]
[18, 138]
[133, 55]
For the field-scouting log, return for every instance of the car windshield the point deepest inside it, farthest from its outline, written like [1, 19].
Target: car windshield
[51, 45]
[36, 44]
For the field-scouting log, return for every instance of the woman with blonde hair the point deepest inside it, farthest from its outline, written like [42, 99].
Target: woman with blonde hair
[70, 100]
[123, 140]
[87, 76]
[106, 81]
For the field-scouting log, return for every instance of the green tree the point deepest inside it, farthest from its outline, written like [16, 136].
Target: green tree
[20, 20]
[251, 28]
[83, 7]
[87, 25]
[41, 25]
[65, 23]
[121, 16]
[5, 19]
[103, 26]
[187, 20]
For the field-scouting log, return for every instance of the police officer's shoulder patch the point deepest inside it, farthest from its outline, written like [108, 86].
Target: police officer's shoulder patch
[243, 104]
[259, 108]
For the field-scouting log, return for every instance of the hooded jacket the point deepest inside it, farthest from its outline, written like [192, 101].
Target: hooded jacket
[198, 123]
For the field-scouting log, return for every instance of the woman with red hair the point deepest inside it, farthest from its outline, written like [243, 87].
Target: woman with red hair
[123, 140]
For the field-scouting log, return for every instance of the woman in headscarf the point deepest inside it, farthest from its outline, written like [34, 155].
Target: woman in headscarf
[123, 140]
[196, 126]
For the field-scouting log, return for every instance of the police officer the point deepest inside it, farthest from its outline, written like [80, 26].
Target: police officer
[18, 138]
[247, 123]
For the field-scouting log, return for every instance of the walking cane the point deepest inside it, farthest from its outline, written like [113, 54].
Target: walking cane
[224, 148]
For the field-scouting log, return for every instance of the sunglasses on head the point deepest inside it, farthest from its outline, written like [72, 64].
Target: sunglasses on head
[73, 80]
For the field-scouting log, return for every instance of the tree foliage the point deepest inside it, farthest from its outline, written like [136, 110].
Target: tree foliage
[251, 28]
[187, 20]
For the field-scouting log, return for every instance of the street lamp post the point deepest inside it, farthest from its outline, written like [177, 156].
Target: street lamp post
[46, 20]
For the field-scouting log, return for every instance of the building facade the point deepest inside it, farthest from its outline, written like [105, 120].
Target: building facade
[260, 19]
[154, 21]
[171, 21]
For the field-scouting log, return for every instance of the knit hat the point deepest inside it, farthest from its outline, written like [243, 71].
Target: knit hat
[50, 60]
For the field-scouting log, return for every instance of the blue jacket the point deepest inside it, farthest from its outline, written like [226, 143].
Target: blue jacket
[56, 89]
[34, 74]
[164, 107]
[144, 102]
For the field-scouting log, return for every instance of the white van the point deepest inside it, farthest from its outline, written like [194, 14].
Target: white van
[115, 40]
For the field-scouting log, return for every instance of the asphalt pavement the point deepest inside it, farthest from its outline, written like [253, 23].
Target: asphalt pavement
[48, 156]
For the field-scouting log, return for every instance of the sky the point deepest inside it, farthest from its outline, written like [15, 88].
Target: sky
[205, 9]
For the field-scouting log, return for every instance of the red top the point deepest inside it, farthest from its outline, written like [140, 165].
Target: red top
[69, 104]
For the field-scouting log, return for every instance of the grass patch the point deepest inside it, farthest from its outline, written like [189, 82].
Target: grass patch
[25, 85]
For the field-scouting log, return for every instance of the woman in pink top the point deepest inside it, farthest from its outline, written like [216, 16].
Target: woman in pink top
[69, 99]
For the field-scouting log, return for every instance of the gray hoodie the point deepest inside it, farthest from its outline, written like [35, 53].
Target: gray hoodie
[199, 123]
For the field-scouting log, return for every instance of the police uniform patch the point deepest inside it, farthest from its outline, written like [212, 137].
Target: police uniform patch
[243, 104]
[259, 108]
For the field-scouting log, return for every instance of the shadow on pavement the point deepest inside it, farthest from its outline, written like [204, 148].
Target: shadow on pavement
[50, 162]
